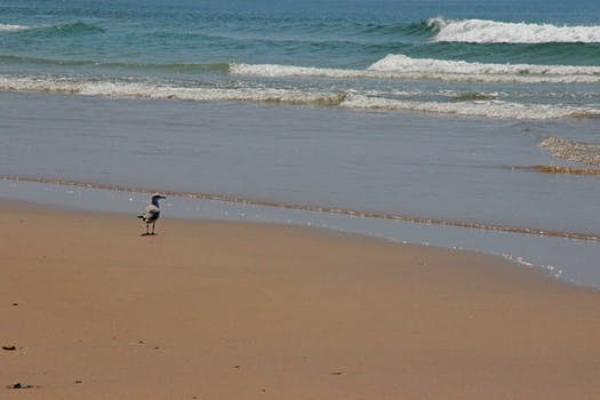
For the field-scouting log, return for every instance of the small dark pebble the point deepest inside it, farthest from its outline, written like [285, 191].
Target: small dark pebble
[337, 373]
[15, 304]
[78, 381]
[156, 347]
[237, 366]
[9, 348]
[140, 342]
[19, 385]
[264, 390]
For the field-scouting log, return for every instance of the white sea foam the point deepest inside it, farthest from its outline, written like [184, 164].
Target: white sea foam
[572, 151]
[279, 71]
[487, 109]
[158, 91]
[351, 99]
[12, 28]
[400, 62]
[399, 66]
[484, 31]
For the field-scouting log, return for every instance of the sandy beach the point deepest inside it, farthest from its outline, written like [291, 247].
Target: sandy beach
[366, 200]
[210, 310]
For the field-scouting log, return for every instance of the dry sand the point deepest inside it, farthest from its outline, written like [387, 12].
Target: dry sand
[227, 311]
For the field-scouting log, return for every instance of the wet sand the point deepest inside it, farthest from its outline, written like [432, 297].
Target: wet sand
[240, 311]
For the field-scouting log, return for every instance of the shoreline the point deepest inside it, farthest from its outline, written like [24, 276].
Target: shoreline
[569, 260]
[343, 211]
[228, 310]
[324, 232]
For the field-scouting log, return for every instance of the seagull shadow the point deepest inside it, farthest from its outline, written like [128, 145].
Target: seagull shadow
[149, 234]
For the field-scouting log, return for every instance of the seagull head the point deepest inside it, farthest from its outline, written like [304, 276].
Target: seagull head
[157, 196]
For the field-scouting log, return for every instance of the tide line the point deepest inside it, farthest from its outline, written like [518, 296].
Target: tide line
[313, 208]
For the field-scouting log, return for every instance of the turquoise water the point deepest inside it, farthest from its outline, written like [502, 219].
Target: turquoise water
[342, 34]
[503, 59]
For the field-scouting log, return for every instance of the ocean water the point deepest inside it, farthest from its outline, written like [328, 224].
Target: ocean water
[533, 60]
[471, 115]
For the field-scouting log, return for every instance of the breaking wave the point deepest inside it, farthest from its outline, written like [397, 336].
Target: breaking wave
[399, 66]
[397, 62]
[72, 28]
[468, 105]
[351, 99]
[159, 91]
[279, 71]
[484, 31]
[489, 109]
[12, 28]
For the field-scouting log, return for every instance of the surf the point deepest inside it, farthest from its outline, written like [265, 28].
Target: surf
[480, 105]
[12, 28]
[400, 66]
[487, 31]
[66, 29]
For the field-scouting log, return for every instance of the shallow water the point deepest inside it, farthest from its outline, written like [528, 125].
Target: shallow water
[409, 164]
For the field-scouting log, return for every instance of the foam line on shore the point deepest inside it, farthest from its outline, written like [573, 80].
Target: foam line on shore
[313, 208]
[488, 109]
[561, 170]
[567, 150]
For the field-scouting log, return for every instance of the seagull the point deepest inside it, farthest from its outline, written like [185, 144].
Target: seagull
[151, 213]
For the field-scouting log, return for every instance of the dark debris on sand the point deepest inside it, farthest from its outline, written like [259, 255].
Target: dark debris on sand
[20, 385]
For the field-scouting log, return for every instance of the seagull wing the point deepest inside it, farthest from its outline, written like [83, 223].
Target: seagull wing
[151, 213]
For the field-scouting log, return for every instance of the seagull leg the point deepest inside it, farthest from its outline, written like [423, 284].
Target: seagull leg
[147, 229]
[154, 223]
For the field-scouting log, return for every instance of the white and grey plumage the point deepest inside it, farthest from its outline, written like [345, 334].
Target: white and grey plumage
[151, 213]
